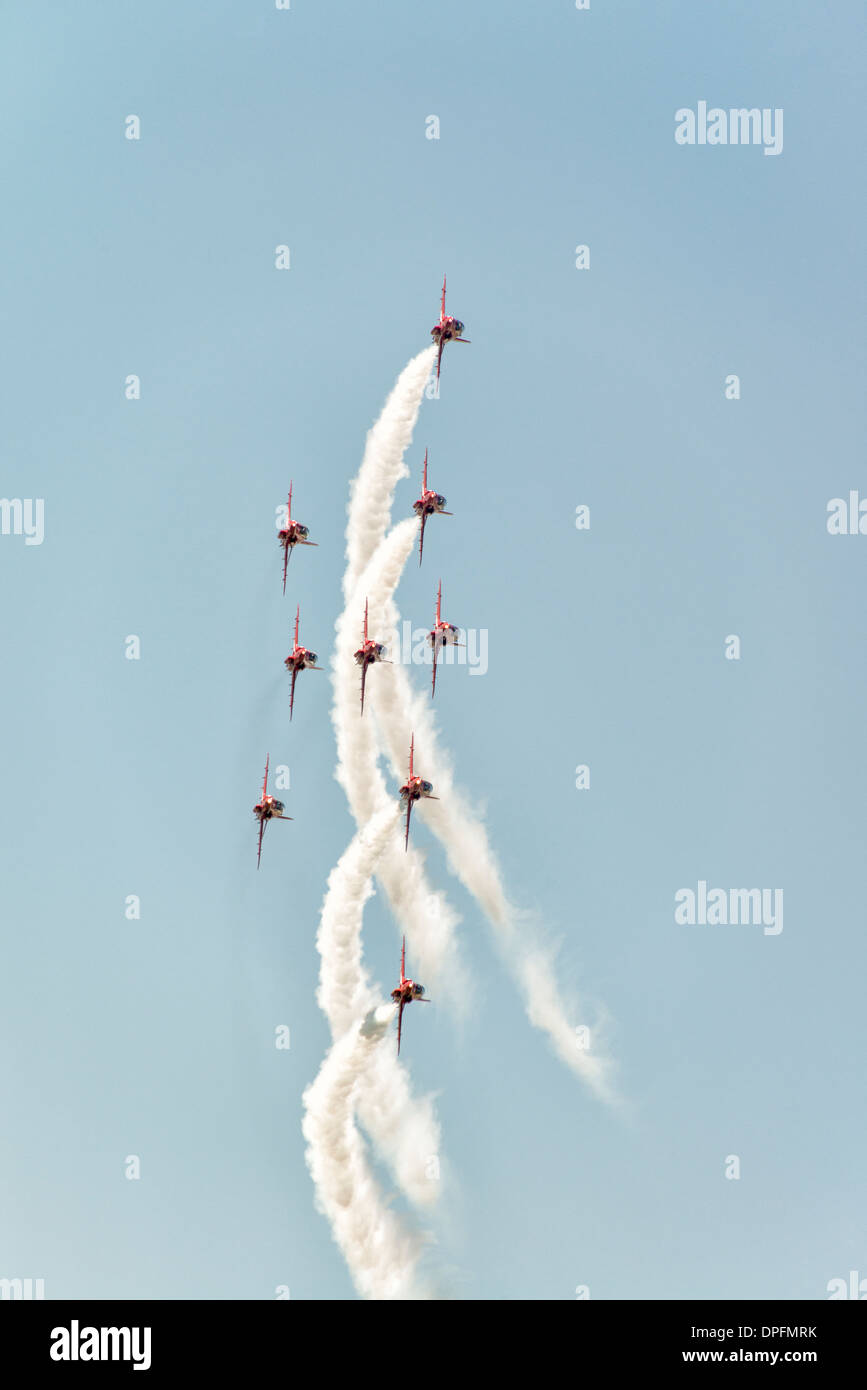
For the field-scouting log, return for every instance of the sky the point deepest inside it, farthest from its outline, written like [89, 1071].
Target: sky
[602, 387]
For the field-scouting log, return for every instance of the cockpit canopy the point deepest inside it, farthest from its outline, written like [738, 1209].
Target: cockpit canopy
[441, 501]
[418, 990]
[276, 805]
[427, 786]
[459, 327]
[303, 530]
[312, 658]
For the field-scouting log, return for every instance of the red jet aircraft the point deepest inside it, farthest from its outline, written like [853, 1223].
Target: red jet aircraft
[448, 330]
[292, 534]
[299, 659]
[427, 505]
[441, 635]
[406, 992]
[413, 789]
[268, 808]
[367, 655]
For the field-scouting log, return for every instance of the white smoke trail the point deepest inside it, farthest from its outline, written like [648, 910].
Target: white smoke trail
[345, 993]
[360, 1074]
[398, 713]
[373, 569]
[382, 467]
[401, 874]
[381, 1252]
[403, 1128]
[472, 861]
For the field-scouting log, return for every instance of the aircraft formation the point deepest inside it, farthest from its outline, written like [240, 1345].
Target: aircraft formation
[370, 653]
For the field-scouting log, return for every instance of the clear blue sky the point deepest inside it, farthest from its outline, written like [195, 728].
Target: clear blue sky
[604, 387]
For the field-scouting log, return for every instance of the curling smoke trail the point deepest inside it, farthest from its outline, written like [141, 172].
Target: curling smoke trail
[398, 712]
[403, 1128]
[381, 1252]
[382, 467]
[401, 874]
[345, 993]
[355, 1077]
[374, 579]
[360, 1073]
[473, 862]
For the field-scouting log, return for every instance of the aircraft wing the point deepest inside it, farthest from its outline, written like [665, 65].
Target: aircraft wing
[401, 1008]
[261, 833]
[292, 690]
[421, 537]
